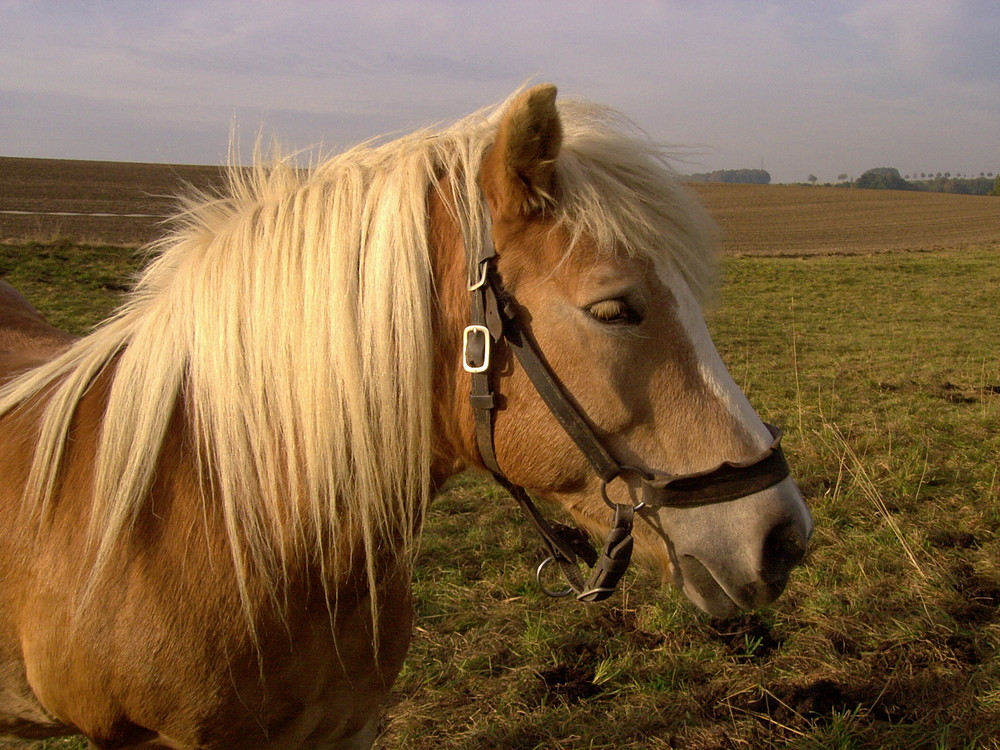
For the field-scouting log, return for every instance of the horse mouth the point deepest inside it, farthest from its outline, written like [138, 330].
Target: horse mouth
[720, 599]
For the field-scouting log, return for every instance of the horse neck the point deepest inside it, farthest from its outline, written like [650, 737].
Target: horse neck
[453, 428]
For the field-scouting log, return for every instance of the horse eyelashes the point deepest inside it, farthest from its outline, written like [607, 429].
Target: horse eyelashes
[615, 312]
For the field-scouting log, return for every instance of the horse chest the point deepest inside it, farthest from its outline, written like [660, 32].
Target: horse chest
[194, 677]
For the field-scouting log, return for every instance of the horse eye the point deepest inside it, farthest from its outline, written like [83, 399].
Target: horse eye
[614, 311]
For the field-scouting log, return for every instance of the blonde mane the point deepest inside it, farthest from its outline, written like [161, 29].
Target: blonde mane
[291, 320]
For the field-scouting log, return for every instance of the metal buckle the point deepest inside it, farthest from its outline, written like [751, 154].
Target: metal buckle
[545, 589]
[625, 468]
[485, 332]
[483, 268]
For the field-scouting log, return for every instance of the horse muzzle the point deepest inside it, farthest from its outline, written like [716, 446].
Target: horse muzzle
[737, 554]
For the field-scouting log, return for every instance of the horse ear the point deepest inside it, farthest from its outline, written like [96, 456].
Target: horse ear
[519, 172]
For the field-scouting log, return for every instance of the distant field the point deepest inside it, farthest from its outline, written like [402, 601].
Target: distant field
[47, 187]
[804, 220]
[755, 219]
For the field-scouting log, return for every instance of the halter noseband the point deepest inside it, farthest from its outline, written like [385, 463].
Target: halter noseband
[493, 321]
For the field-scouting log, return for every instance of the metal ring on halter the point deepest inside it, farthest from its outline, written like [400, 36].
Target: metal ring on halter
[604, 485]
[545, 589]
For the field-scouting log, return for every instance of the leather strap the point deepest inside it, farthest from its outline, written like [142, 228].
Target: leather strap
[566, 544]
[482, 396]
[562, 408]
[729, 481]
[492, 324]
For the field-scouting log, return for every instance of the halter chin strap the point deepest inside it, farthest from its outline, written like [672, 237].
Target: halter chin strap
[494, 322]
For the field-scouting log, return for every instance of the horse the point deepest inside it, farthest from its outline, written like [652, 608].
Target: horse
[211, 504]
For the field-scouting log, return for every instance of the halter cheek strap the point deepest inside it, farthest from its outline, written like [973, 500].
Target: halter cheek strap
[494, 323]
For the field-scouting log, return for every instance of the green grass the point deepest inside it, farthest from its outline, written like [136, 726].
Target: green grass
[75, 286]
[884, 372]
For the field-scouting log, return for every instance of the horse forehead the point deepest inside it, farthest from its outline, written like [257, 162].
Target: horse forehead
[677, 333]
[547, 252]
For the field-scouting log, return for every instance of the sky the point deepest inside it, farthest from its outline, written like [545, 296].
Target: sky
[811, 87]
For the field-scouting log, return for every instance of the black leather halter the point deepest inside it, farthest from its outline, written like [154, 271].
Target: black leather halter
[493, 323]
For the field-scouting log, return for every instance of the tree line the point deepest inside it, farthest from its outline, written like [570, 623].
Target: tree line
[888, 178]
[879, 178]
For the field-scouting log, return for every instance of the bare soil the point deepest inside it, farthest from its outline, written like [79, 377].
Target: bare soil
[140, 196]
[755, 219]
[807, 220]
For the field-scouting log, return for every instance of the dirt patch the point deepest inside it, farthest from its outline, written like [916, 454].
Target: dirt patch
[796, 705]
[845, 645]
[953, 540]
[570, 683]
[980, 597]
[966, 649]
[746, 637]
[956, 394]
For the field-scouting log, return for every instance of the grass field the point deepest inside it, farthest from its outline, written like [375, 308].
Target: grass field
[884, 371]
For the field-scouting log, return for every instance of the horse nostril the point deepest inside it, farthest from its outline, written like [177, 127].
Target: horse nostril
[784, 548]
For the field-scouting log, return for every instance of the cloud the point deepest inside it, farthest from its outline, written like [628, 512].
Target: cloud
[806, 86]
[952, 40]
[910, 31]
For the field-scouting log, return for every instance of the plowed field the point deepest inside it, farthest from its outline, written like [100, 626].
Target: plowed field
[123, 203]
[803, 220]
[117, 203]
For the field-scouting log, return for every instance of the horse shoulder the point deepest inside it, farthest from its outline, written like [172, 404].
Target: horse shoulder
[165, 652]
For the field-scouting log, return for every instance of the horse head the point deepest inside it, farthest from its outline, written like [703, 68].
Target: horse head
[600, 260]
